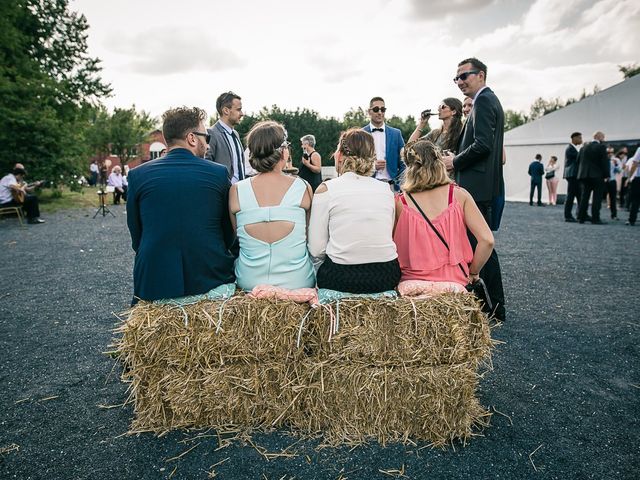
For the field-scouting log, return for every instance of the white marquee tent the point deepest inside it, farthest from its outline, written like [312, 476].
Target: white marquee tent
[615, 111]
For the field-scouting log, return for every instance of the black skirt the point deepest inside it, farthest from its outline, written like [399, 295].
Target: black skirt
[361, 278]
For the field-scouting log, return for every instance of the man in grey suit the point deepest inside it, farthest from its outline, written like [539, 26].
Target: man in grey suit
[225, 146]
[593, 172]
[478, 164]
[571, 175]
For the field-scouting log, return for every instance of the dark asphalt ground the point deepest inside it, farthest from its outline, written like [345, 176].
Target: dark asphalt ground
[566, 381]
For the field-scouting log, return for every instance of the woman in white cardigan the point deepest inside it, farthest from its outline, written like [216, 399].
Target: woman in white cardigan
[351, 225]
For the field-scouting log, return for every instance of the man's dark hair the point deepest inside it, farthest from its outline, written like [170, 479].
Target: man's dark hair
[178, 122]
[575, 134]
[538, 156]
[475, 63]
[375, 99]
[226, 100]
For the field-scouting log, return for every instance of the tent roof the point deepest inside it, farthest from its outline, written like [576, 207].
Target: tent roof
[615, 111]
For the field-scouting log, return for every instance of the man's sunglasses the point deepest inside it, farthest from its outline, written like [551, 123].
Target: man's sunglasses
[379, 109]
[206, 136]
[464, 75]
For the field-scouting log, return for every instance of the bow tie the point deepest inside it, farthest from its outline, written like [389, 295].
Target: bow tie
[377, 129]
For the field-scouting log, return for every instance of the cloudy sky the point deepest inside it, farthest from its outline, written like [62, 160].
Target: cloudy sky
[332, 55]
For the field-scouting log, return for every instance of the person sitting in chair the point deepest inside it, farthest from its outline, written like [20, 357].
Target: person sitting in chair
[119, 182]
[14, 192]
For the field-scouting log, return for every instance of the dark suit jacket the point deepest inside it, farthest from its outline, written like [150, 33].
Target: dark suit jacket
[536, 171]
[478, 166]
[593, 161]
[570, 162]
[394, 143]
[220, 148]
[177, 213]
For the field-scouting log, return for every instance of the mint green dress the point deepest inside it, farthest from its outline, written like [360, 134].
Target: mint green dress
[283, 263]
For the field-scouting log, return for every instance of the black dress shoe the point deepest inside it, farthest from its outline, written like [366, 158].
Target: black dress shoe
[629, 223]
[570, 220]
[598, 222]
[587, 218]
[35, 221]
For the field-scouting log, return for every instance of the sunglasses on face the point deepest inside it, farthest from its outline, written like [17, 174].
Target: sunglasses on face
[464, 75]
[206, 136]
[378, 109]
[442, 106]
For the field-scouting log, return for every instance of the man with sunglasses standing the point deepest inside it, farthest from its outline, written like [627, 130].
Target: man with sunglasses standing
[225, 146]
[478, 165]
[177, 213]
[388, 142]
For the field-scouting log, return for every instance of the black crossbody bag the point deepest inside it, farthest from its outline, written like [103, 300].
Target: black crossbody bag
[478, 288]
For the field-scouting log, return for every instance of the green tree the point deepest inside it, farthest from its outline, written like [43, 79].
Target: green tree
[630, 70]
[513, 119]
[127, 130]
[49, 88]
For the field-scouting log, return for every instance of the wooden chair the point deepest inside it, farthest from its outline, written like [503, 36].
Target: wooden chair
[13, 209]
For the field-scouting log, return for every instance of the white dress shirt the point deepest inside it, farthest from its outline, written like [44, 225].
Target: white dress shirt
[380, 141]
[352, 221]
[234, 154]
[5, 187]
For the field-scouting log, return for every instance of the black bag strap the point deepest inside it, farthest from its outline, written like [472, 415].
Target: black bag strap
[434, 229]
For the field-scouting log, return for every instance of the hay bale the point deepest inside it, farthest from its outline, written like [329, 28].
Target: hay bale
[394, 370]
[446, 329]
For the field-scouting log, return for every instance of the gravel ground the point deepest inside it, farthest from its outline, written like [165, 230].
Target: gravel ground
[566, 381]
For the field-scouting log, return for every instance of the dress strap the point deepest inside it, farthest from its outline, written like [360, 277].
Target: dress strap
[403, 199]
[450, 193]
[295, 194]
[246, 196]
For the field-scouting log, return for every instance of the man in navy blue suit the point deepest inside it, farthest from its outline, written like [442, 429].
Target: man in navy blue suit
[388, 142]
[177, 213]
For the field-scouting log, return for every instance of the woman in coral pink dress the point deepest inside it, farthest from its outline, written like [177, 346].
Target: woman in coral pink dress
[427, 264]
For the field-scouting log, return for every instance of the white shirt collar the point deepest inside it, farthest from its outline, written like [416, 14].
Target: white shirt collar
[478, 93]
[371, 126]
[226, 127]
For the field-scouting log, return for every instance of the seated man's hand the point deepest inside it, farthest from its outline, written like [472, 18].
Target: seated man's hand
[448, 161]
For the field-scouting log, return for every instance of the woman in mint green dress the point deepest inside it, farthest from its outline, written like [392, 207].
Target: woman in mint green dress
[270, 212]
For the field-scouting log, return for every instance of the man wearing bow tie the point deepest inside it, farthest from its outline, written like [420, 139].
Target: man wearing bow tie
[388, 142]
[225, 147]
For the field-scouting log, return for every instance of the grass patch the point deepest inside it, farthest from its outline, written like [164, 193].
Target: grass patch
[53, 200]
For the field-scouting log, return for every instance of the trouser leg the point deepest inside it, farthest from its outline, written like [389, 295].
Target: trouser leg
[572, 192]
[634, 199]
[611, 192]
[531, 190]
[491, 273]
[31, 206]
[585, 192]
[598, 188]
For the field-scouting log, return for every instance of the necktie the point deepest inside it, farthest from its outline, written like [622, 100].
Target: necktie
[377, 129]
[239, 157]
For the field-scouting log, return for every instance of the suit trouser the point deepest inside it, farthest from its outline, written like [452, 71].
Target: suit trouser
[611, 189]
[595, 185]
[491, 272]
[634, 199]
[573, 193]
[30, 206]
[535, 184]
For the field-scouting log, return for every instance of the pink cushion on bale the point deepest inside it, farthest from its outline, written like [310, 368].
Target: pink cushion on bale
[426, 289]
[298, 295]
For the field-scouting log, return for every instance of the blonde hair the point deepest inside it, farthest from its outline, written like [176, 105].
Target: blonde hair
[425, 168]
[358, 150]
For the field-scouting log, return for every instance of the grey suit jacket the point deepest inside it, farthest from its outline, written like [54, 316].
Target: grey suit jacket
[220, 147]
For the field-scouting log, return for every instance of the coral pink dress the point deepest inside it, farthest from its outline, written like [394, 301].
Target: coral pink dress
[422, 255]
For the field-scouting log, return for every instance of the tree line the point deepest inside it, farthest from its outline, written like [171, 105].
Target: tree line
[52, 118]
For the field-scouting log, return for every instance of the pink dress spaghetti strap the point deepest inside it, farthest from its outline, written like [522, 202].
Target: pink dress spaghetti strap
[422, 255]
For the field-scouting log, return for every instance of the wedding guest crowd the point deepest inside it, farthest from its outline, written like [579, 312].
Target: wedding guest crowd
[196, 225]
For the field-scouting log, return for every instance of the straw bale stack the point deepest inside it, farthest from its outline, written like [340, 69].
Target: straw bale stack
[385, 369]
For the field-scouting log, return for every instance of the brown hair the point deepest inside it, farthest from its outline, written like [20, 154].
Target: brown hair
[178, 122]
[358, 150]
[425, 168]
[475, 63]
[225, 100]
[455, 127]
[264, 141]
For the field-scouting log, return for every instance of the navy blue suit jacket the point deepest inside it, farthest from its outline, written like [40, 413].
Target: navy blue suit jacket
[177, 213]
[394, 143]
